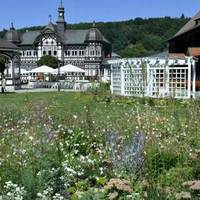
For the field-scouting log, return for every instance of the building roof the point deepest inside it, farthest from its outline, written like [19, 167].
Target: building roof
[115, 55]
[70, 36]
[75, 36]
[189, 26]
[28, 38]
[12, 35]
[7, 45]
[94, 34]
[51, 27]
[194, 51]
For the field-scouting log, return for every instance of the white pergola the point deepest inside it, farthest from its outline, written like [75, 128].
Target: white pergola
[154, 77]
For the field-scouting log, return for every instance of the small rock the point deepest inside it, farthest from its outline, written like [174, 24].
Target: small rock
[145, 184]
[121, 185]
[195, 186]
[197, 151]
[145, 195]
[167, 190]
[193, 156]
[183, 195]
[113, 196]
[188, 183]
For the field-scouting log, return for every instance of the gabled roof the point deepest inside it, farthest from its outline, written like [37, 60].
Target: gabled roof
[7, 45]
[189, 26]
[51, 27]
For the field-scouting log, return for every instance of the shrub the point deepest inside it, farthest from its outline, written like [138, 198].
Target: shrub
[158, 161]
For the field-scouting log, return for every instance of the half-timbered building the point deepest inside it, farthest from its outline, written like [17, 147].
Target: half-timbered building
[86, 49]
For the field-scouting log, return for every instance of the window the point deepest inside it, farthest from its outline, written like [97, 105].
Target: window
[44, 53]
[49, 53]
[55, 53]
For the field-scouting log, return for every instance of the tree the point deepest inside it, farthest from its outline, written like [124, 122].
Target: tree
[49, 61]
[182, 16]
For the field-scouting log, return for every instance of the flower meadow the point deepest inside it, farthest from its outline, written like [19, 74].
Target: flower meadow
[60, 146]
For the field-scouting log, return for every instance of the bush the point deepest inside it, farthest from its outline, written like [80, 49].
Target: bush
[159, 161]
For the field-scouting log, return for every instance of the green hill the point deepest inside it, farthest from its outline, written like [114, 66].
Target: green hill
[133, 38]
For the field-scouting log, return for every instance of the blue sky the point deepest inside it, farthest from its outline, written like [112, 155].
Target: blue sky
[25, 13]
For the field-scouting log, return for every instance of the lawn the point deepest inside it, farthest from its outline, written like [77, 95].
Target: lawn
[88, 146]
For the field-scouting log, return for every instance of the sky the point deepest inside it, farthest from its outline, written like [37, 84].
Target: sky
[26, 13]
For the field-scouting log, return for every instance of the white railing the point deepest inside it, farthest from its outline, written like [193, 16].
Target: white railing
[68, 85]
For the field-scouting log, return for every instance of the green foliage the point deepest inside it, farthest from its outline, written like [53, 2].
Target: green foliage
[55, 144]
[93, 194]
[81, 185]
[49, 61]
[159, 161]
[175, 177]
[101, 181]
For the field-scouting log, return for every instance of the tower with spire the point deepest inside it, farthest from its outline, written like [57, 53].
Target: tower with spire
[61, 23]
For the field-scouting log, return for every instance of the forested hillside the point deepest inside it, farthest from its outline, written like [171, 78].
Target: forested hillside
[133, 38]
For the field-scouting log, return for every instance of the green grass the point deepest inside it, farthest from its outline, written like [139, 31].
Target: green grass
[60, 141]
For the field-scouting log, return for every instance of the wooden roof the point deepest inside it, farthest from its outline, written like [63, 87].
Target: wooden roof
[189, 26]
[194, 51]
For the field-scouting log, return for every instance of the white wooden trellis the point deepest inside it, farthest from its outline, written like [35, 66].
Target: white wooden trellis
[153, 77]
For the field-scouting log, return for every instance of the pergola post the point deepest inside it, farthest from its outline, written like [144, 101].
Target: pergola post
[193, 62]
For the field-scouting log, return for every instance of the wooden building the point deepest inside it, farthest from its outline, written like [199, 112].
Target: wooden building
[186, 42]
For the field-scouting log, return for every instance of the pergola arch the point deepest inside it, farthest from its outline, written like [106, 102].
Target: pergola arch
[11, 53]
